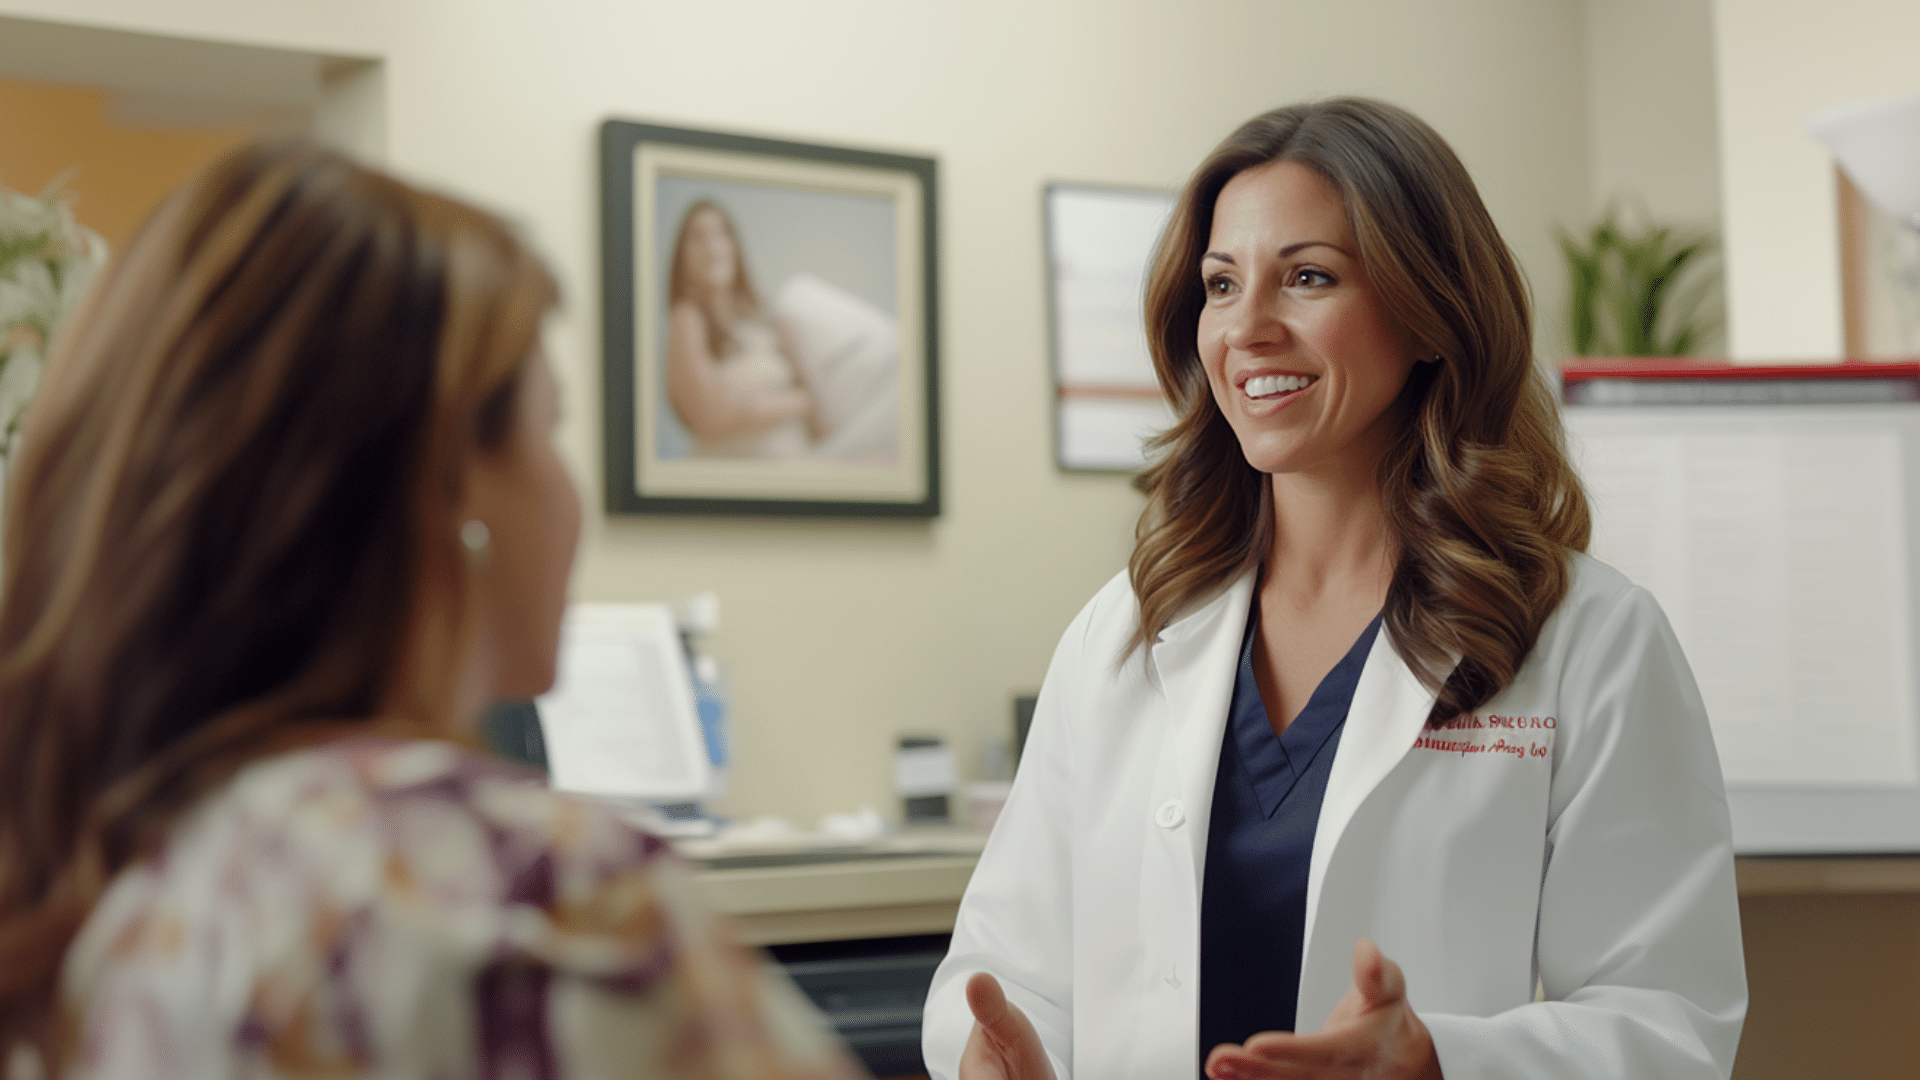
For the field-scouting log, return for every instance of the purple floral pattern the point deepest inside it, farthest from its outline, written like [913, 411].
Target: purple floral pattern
[406, 909]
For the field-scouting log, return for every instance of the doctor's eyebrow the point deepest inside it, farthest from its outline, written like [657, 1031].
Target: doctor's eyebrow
[1286, 252]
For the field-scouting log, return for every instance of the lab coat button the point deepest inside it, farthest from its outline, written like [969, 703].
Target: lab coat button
[1171, 814]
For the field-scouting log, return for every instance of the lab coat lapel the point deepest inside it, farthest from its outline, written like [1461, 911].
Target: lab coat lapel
[1389, 708]
[1196, 658]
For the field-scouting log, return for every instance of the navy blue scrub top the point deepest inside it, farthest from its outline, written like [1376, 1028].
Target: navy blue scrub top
[1266, 805]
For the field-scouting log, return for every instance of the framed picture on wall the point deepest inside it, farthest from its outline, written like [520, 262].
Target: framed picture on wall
[770, 326]
[1107, 400]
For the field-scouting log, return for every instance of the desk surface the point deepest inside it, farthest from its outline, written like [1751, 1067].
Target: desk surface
[835, 901]
[919, 893]
[1783, 876]
[909, 882]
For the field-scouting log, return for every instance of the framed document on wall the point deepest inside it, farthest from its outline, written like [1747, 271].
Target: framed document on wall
[1100, 242]
[770, 326]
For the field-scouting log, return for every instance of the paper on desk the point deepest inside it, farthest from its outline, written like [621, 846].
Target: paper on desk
[1778, 549]
[620, 719]
[924, 770]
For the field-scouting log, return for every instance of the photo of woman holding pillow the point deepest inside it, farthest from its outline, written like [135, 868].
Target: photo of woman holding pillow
[811, 373]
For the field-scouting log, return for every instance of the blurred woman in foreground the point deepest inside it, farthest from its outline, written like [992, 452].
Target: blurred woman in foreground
[287, 514]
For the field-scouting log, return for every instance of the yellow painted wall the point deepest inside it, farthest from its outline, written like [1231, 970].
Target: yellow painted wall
[123, 172]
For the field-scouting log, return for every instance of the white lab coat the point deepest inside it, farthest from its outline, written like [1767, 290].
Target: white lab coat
[1587, 846]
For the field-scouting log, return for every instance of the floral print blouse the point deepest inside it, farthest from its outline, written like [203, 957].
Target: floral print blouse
[398, 909]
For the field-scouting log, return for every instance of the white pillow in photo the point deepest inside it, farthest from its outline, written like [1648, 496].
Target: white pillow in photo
[848, 353]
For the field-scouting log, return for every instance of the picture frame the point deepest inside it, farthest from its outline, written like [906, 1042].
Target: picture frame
[1107, 401]
[770, 326]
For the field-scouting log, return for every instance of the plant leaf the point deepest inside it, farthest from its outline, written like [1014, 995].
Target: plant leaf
[1623, 283]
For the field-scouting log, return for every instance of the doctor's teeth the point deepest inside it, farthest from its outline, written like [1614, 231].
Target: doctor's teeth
[1266, 385]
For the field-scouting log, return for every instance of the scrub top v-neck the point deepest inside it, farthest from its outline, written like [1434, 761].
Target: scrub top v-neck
[1266, 806]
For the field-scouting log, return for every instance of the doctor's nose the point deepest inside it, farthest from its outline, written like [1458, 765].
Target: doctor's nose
[1255, 325]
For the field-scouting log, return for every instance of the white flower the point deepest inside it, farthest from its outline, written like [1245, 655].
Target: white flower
[78, 268]
[47, 260]
[29, 298]
[19, 378]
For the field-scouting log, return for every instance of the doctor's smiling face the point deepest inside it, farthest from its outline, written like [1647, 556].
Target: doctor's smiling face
[1303, 359]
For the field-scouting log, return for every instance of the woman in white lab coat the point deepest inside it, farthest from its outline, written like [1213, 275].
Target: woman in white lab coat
[1361, 751]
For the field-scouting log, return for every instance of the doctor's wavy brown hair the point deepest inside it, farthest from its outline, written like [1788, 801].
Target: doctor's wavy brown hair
[1482, 506]
[231, 529]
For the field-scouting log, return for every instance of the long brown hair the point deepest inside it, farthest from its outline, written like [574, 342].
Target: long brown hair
[231, 527]
[1481, 504]
[683, 284]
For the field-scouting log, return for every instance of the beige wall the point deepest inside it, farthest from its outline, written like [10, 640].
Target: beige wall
[1780, 61]
[1652, 120]
[840, 634]
[1652, 123]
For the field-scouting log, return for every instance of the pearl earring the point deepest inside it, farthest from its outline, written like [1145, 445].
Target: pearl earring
[475, 536]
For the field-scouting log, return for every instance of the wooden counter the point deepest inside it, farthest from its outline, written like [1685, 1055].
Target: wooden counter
[1833, 944]
[1833, 967]
[1827, 875]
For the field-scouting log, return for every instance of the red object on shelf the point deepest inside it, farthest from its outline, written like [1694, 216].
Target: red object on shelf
[1581, 368]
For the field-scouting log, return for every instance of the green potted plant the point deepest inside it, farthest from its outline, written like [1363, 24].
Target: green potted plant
[46, 261]
[1637, 290]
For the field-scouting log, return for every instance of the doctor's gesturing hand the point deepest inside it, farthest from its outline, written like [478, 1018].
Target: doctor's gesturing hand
[1372, 1034]
[1003, 1045]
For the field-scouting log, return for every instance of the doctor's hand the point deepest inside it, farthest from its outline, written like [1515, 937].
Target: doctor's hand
[1372, 1035]
[1003, 1045]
